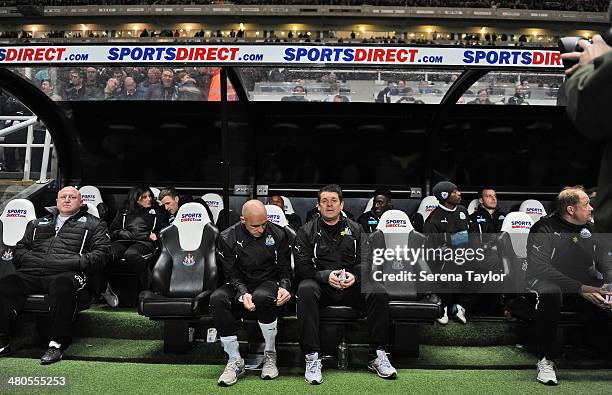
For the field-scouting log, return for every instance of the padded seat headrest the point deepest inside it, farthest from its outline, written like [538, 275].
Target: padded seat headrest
[15, 218]
[90, 194]
[215, 204]
[155, 192]
[288, 206]
[518, 225]
[369, 205]
[428, 204]
[93, 210]
[473, 206]
[534, 208]
[276, 215]
[190, 221]
[394, 221]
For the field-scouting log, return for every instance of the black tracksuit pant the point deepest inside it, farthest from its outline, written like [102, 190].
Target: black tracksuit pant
[549, 301]
[62, 290]
[224, 306]
[312, 295]
[135, 261]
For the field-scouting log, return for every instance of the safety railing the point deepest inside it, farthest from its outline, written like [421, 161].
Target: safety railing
[20, 122]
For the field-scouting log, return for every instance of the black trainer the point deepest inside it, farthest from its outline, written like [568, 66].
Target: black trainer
[51, 356]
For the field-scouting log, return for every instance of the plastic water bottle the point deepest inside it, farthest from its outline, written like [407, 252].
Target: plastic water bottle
[342, 356]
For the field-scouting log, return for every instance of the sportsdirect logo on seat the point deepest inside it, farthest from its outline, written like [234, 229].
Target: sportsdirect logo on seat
[212, 203]
[18, 213]
[533, 210]
[274, 218]
[429, 208]
[89, 198]
[191, 217]
[521, 224]
[395, 223]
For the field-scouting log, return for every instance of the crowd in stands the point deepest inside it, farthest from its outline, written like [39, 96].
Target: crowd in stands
[571, 5]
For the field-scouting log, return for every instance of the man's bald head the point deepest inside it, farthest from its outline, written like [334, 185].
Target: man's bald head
[254, 217]
[573, 204]
[69, 201]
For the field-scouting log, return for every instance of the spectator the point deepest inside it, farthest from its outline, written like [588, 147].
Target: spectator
[131, 90]
[152, 79]
[167, 90]
[518, 97]
[187, 89]
[47, 87]
[55, 256]
[483, 98]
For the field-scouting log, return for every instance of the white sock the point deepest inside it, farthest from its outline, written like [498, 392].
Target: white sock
[55, 344]
[269, 333]
[231, 347]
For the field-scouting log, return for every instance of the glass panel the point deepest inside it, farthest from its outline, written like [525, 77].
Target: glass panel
[128, 83]
[347, 85]
[514, 88]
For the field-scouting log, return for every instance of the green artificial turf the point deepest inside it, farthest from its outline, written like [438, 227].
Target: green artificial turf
[135, 378]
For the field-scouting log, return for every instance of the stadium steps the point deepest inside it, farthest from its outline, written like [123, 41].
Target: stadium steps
[121, 335]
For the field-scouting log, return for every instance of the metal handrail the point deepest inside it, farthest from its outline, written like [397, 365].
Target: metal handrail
[28, 122]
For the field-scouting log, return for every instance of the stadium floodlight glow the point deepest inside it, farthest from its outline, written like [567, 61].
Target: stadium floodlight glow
[294, 28]
[483, 30]
[362, 29]
[241, 26]
[429, 30]
[188, 28]
[83, 27]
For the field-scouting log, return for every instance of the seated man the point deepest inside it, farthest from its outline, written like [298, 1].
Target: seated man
[560, 255]
[380, 204]
[54, 256]
[171, 201]
[294, 220]
[327, 256]
[255, 257]
[447, 227]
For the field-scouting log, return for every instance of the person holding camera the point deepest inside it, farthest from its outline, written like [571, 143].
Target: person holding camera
[589, 91]
[561, 250]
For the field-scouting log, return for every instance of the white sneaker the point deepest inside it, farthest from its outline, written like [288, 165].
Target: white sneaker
[313, 374]
[110, 297]
[461, 314]
[444, 319]
[269, 370]
[382, 367]
[546, 372]
[233, 371]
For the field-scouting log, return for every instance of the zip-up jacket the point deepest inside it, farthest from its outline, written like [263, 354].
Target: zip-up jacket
[447, 228]
[136, 226]
[317, 253]
[248, 261]
[487, 225]
[81, 245]
[566, 254]
[368, 221]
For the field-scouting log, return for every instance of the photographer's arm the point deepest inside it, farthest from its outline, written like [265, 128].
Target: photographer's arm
[589, 87]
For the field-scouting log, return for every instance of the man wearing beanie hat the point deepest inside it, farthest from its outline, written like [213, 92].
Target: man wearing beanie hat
[447, 227]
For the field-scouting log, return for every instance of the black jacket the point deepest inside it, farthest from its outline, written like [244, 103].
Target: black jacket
[564, 253]
[294, 221]
[446, 228]
[486, 225]
[316, 254]
[368, 221]
[81, 245]
[248, 261]
[137, 226]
